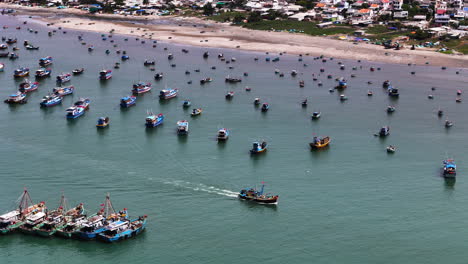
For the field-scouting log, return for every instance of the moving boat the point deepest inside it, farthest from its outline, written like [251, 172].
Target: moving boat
[186, 103]
[45, 61]
[168, 94]
[253, 195]
[103, 122]
[78, 71]
[127, 101]
[153, 120]
[17, 98]
[318, 142]
[50, 100]
[223, 134]
[390, 109]
[105, 74]
[258, 147]
[316, 115]
[141, 87]
[21, 72]
[196, 111]
[229, 95]
[63, 91]
[384, 131]
[182, 127]
[450, 169]
[63, 78]
[265, 107]
[28, 86]
[43, 72]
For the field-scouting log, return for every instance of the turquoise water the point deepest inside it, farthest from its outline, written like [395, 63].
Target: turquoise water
[350, 203]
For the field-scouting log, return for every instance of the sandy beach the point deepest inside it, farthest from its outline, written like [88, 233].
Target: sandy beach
[220, 35]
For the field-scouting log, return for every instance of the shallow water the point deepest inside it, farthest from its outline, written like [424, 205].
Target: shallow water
[350, 203]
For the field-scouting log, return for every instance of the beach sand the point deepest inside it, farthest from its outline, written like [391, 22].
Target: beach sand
[221, 35]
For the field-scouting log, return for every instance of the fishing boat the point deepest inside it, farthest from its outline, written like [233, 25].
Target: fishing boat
[186, 103]
[343, 97]
[392, 91]
[168, 94]
[301, 84]
[32, 220]
[124, 57]
[12, 220]
[46, 61]
[230, 79]
[386, 84]
[440, 112]
[4, 54]
[11, 40]
[90, 48]
[318, 142]
[384, 131]
[103, 122]
[53, 220]
[31, 47]
[158, 76]
[182, 127]
[448, 123]
[3, 46]
[117, 65]
[105, 75]
[342, 84]
[370, 93]
[153, 120]
[229, 95]
[63, 78]
[316, 115]
[127, 101]
[170, 56]
[304, 103]
[390, 109]
[391, 149]
[252, 194]
[27, 86]
[459, 92]
[123, 229]
[265, 107]
[257, 101]
[223, 134]
[149, 62]
[17, 98]
[43, 72]
[75, 112]
[78, 71]
[196, 111]
[50, 100]
[458, 100]
[141, 88]
[258, 147]
[74, 219]
[206, 80]
[21, 72]
[63, 91]
[450, 168]
[293, 73]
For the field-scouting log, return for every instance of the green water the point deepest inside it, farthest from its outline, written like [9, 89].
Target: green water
[350, 203]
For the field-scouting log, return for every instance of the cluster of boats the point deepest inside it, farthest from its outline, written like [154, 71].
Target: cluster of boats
[105, 225]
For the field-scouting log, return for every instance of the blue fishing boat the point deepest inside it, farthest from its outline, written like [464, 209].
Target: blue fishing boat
[28, 86]
[63, 78]
[450, 169]
[105, 75]
[258, 147]
[43, 72]
[168, 94]
[50, 100]
[63, 91]
[254, 195]
[153, 120]
[125, 57]
[103, 122]
[17, 98]
[75, 112]
[127, 101]
[45, 61]
[141, 87]
[123, 229]
[21, 72]
[342, 84]
[384, 131]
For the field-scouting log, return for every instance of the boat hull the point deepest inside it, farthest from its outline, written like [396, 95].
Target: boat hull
[122, 236]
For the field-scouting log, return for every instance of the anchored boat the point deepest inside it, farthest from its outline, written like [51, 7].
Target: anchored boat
[258, 147]
[450, 169]
[127, 101]
[63, 91]
[45, 61]
[318, 142]
[63, 78]
[141, 87]
[28, 86]
[103, 122]
[182, 127]
[43, 72]
[153, 120]
[21, 72]
[17, 98]
[168, 94]
[196, 111]
[105, 75]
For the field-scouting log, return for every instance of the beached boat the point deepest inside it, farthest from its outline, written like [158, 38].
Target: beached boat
[223, 134]
[21, 72]
[265, 107]
[450, 168]
[196, 111]
[318, 142]
[316, 115]
[182, 127]
[63, 91]
[153, 120]
[78, 71]
[63, 78]
[103, 122]
[186, 103]
[141, 88]
[46, 61]
[43, 72]
[17, 98]
[123, 229]
[127, 101]
[105, 74]
[384, 131]
[27, 86]
[391, 149]
[252, 194]
[168, 94]
[206, 80]
[50, 100]
[229, 95]
[258, 147]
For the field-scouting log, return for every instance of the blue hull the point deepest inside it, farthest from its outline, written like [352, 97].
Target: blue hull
[127, 104]
[75, 116]
[121, 236]
[89, 235]
[50, 104]
[155, 124]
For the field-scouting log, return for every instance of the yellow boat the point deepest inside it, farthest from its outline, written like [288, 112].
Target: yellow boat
[196, 111]
[320, 142]
[103, 122]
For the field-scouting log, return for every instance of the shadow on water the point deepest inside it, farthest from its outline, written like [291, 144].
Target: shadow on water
[221, 144]
[319, 153]
[449, 183]
[103, 131]
[71, 123]
[182, 139]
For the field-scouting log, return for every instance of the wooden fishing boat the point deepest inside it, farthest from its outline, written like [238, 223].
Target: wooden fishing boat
[46, 61]
[21, 72]
[43, 72]
[103, 122]
[127, 101]
[141, 88]
[168, 94]
[53, 220]
[27, 86]
[252, 194]
[50, 100]
[63, 78]
[17, 98]
[63, 91]
[78, 71]
[230, 79]
[258, 147]
[153, 120]
[319, 143]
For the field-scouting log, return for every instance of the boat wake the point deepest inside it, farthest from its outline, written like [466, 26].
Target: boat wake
[202, 188]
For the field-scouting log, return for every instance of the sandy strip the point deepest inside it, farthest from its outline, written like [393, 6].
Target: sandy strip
[220, 35]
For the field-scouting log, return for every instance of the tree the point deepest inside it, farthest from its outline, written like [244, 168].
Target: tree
[238, 18]
[365, 5]
[208, 9]
[254, 17]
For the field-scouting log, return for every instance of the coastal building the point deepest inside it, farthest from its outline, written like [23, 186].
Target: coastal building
[397, 5]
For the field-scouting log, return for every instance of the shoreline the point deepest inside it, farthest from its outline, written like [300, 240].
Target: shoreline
[188, 31]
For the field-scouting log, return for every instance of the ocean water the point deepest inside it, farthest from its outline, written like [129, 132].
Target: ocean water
[350, 203]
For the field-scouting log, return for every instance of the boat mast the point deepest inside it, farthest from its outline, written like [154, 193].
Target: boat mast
[63, 204]
[24, 201]
[108, 208]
